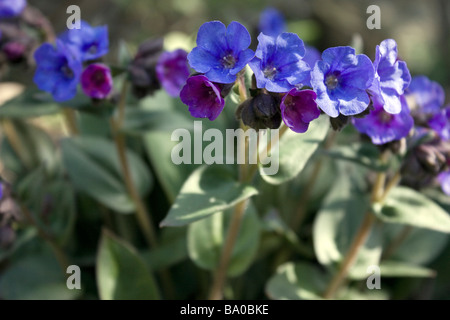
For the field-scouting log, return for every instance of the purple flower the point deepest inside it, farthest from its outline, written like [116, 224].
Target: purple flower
[440, 123]
[340, 80]
[383, 127]
[97, 81]
[91, 42]
[312, 55]
[392, 77]
[203, 97]
[11, 8]
[444, 180]
[172, 71]
[298, 109]
[278, 64]
[221, 52]
[58, 70]
[271, 22]
[428, 94]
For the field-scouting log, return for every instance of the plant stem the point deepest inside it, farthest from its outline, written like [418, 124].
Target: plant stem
[378, 193]
[57, 250]
[144, 219]
[71, 121]
[220, 274]
[122, 104]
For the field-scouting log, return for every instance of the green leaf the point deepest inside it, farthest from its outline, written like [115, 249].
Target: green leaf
[209, 190]
[425, 243]
[139, 121]
[171, 176]
[366, 155]
[300, 281]
[35, 277]
[206, 238]
[338, 221]
[121, 272]
[407, 206]
[400, 269]
[94, 168]
[31, 103]
[171, 250]
[295, 150]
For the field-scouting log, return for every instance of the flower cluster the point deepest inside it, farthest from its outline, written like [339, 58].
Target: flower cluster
[60, 67]
[75, 60]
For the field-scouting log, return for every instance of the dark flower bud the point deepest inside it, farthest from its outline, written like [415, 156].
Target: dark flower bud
[430, 158]
[260, 112]
[7, 237]
[142, 69]
[339, 122]
[15, 51]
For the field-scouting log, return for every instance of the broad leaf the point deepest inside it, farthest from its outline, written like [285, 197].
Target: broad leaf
[206, 239]
[94, 168]
[121, 272]
[407, 206]
[295, 150]
[209, 190]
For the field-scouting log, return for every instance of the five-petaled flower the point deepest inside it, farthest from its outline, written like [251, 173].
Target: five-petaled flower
[429, 95]
[58, 70]
[340, 81]
[383, 127]
[392, 77]
[298, 109]
[91, 42]
[278, 64]
[221, 52]
[271, 22]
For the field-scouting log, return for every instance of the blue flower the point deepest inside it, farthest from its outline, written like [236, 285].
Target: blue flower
[383, 127]
[278, 64]
[58, 70]
[440, 123]
[340, 80]
[11, 8]
[392, 77]
[272, 23]
[221, 52]
[429, 95]
[203, 97]
[91, 42]
[298, 109]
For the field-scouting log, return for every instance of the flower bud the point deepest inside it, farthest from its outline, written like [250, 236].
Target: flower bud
[260, 112]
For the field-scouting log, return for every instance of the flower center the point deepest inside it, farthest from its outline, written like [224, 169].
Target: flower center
[68, 73]
[228, 62]
[93, 49]
[332, 81]
[98, 78]
[385, 117]
[270, 72]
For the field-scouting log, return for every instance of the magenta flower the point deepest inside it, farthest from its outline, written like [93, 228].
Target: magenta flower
[203, 97]
[298, 109]
[172, 71]
[97, 81]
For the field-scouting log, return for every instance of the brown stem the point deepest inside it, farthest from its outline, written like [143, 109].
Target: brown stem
[144, 219]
